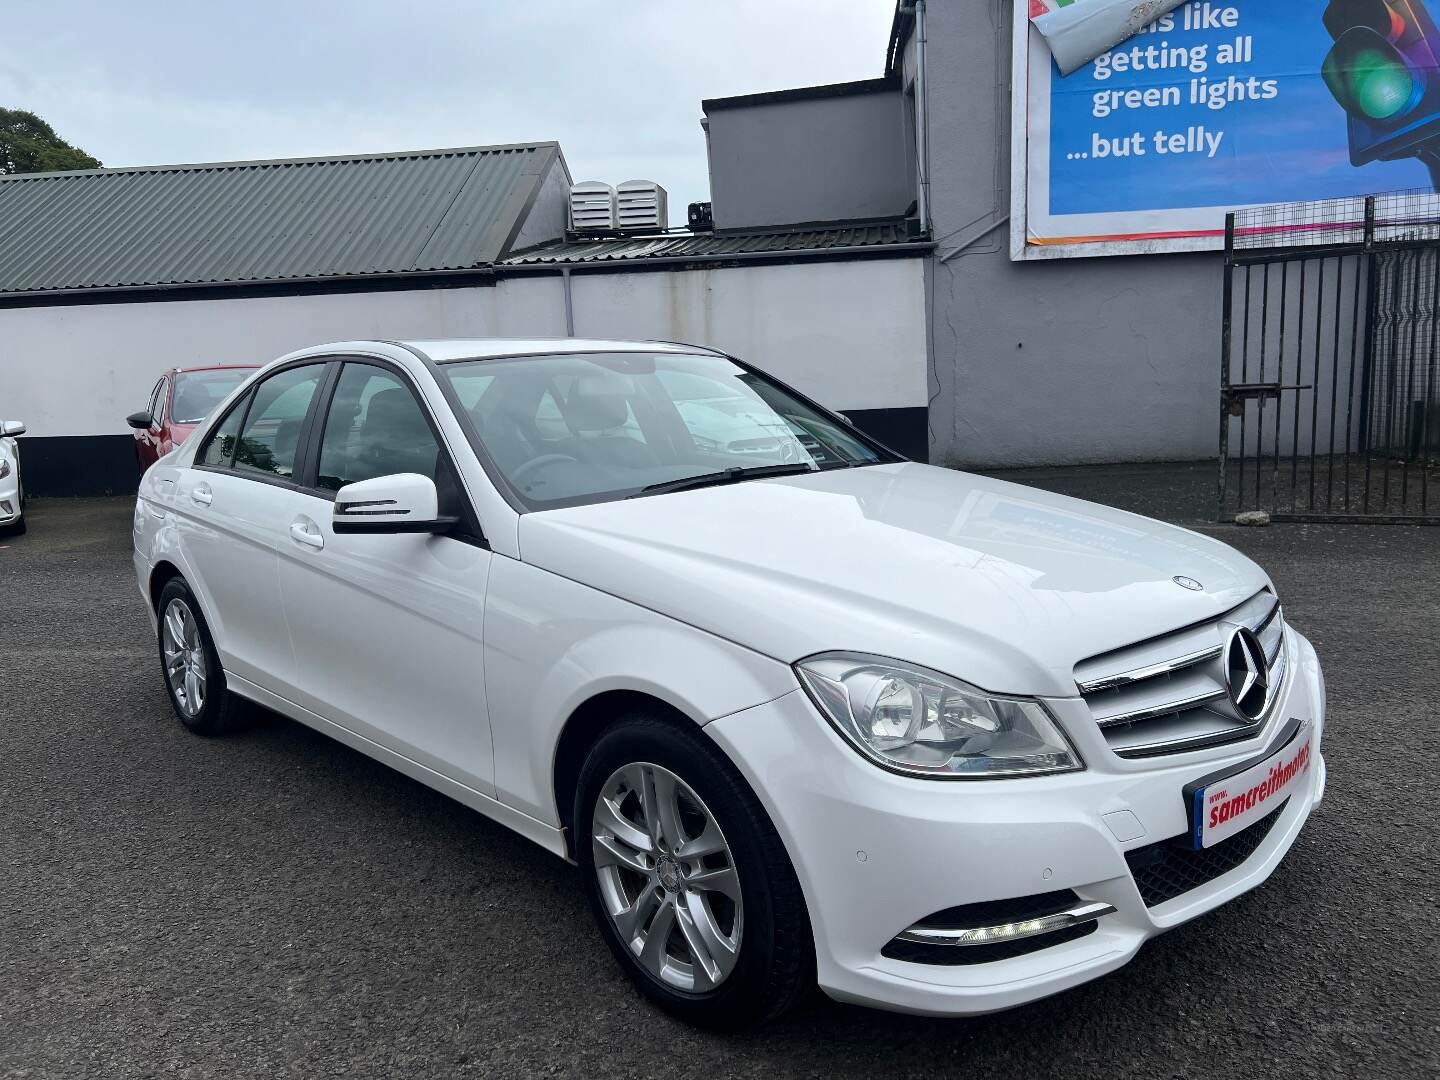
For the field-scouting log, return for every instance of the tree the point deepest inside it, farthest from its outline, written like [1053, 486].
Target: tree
[28, 144]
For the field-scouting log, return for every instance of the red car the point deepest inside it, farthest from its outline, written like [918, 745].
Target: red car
[181, 399]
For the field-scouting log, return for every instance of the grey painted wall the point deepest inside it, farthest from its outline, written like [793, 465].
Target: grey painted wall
[1076, 360]
[817, 159]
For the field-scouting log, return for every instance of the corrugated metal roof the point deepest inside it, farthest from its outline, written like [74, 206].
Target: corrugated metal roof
[258, 221]
[713, 245]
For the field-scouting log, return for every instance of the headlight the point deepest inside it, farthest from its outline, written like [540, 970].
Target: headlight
[917, 721]
[4, 467]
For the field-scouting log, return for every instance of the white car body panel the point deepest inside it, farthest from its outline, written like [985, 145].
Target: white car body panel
[1029, 836]
[234, 537]
[460, 665]
[978, 578]
[552, 644]
[387, 632]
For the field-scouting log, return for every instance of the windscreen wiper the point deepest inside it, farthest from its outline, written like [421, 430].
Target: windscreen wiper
[724, 476]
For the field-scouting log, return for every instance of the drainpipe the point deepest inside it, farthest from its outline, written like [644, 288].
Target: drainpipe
[922, 125]
[569, 303]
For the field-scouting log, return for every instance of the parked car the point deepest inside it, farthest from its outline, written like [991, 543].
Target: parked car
[940, 743]
[12, 487]
[180, 400]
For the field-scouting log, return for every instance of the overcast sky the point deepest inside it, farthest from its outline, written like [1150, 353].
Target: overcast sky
[618, 84]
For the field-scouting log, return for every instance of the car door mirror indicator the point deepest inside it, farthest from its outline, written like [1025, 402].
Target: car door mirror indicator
[402, 503]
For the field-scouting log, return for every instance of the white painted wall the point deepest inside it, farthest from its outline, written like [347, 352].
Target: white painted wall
[850, 334]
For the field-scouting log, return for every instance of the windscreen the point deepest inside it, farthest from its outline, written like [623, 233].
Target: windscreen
[579, 428]
[198, 392]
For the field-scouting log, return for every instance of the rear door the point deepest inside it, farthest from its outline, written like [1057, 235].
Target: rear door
[230, 510]
[388, 629]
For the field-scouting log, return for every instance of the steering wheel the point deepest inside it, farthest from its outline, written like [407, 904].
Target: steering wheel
[534, 464]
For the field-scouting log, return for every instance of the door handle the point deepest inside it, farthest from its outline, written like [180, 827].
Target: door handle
[201, 494]
[304, 531]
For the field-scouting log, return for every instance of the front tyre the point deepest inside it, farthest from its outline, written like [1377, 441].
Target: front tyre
[690, 883]
[191, 666]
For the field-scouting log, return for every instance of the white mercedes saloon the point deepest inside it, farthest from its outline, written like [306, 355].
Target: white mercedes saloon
[800, 710]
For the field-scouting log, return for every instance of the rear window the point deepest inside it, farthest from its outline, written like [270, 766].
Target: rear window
[198, 392]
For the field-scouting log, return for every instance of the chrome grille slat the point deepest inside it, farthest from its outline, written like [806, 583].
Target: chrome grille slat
[1164, 667]
[1168, 694]
[1183, 705]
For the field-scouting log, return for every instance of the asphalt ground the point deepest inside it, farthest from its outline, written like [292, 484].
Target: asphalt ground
[273, 904]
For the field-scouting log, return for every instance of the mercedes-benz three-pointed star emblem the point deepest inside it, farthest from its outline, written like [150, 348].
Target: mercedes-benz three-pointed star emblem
[1246, 675]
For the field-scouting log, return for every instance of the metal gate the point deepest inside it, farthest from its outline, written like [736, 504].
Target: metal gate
[1330, 362]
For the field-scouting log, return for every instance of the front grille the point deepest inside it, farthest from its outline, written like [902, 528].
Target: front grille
[1171, 868]
[1169, 694]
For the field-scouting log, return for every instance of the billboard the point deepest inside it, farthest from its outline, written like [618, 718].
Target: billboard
[1215, 106]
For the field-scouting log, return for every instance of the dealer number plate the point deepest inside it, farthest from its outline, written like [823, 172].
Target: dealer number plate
[1227, 806]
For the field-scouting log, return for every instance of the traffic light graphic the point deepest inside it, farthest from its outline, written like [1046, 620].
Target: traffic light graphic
[1384, 70]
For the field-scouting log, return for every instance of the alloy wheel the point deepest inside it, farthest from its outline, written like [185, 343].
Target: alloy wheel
[185, 668]
[667, 877]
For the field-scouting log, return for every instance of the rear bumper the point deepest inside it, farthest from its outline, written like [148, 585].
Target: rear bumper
[877, 853]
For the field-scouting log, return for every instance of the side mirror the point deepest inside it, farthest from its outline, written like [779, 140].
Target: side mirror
[10, 428]
[139, 420]
[402, 503]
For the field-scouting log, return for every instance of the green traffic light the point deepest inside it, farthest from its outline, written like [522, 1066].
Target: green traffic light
[1382, 87]
[1371, 80]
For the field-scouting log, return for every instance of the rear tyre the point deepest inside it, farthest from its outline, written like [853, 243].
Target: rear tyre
[690, 883]
[191, 668]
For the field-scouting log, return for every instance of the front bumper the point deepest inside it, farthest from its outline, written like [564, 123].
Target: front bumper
[10, 498]
[877, 852]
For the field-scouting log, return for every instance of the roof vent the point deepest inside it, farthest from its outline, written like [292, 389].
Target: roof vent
[592, 207]
[640, 205]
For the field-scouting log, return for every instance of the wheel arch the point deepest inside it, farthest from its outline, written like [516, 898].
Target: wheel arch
[583, 729]
[161, 574]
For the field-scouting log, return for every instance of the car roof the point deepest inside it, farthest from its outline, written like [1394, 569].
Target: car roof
[213, 367]
[444, 349]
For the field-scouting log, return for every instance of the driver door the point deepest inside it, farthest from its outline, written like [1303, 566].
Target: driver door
[388, 629]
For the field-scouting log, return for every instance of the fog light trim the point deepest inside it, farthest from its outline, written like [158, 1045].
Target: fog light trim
[921, 934]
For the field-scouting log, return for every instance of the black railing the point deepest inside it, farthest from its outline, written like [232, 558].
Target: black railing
[1330, 360]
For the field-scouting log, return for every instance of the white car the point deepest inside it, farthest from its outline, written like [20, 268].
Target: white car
[12, 488]
[939, 743]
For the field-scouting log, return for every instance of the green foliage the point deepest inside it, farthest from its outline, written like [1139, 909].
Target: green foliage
[28, 144]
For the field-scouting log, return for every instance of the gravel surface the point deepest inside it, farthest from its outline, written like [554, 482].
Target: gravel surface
[273, 904]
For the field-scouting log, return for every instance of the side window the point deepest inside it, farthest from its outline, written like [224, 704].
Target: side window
[271, 436]
[157, 400]
[220, 449]
[375, 427]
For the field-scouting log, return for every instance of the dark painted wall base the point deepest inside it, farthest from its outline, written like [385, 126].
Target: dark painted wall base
[105, 464]
[79, 465]
[906, 431]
